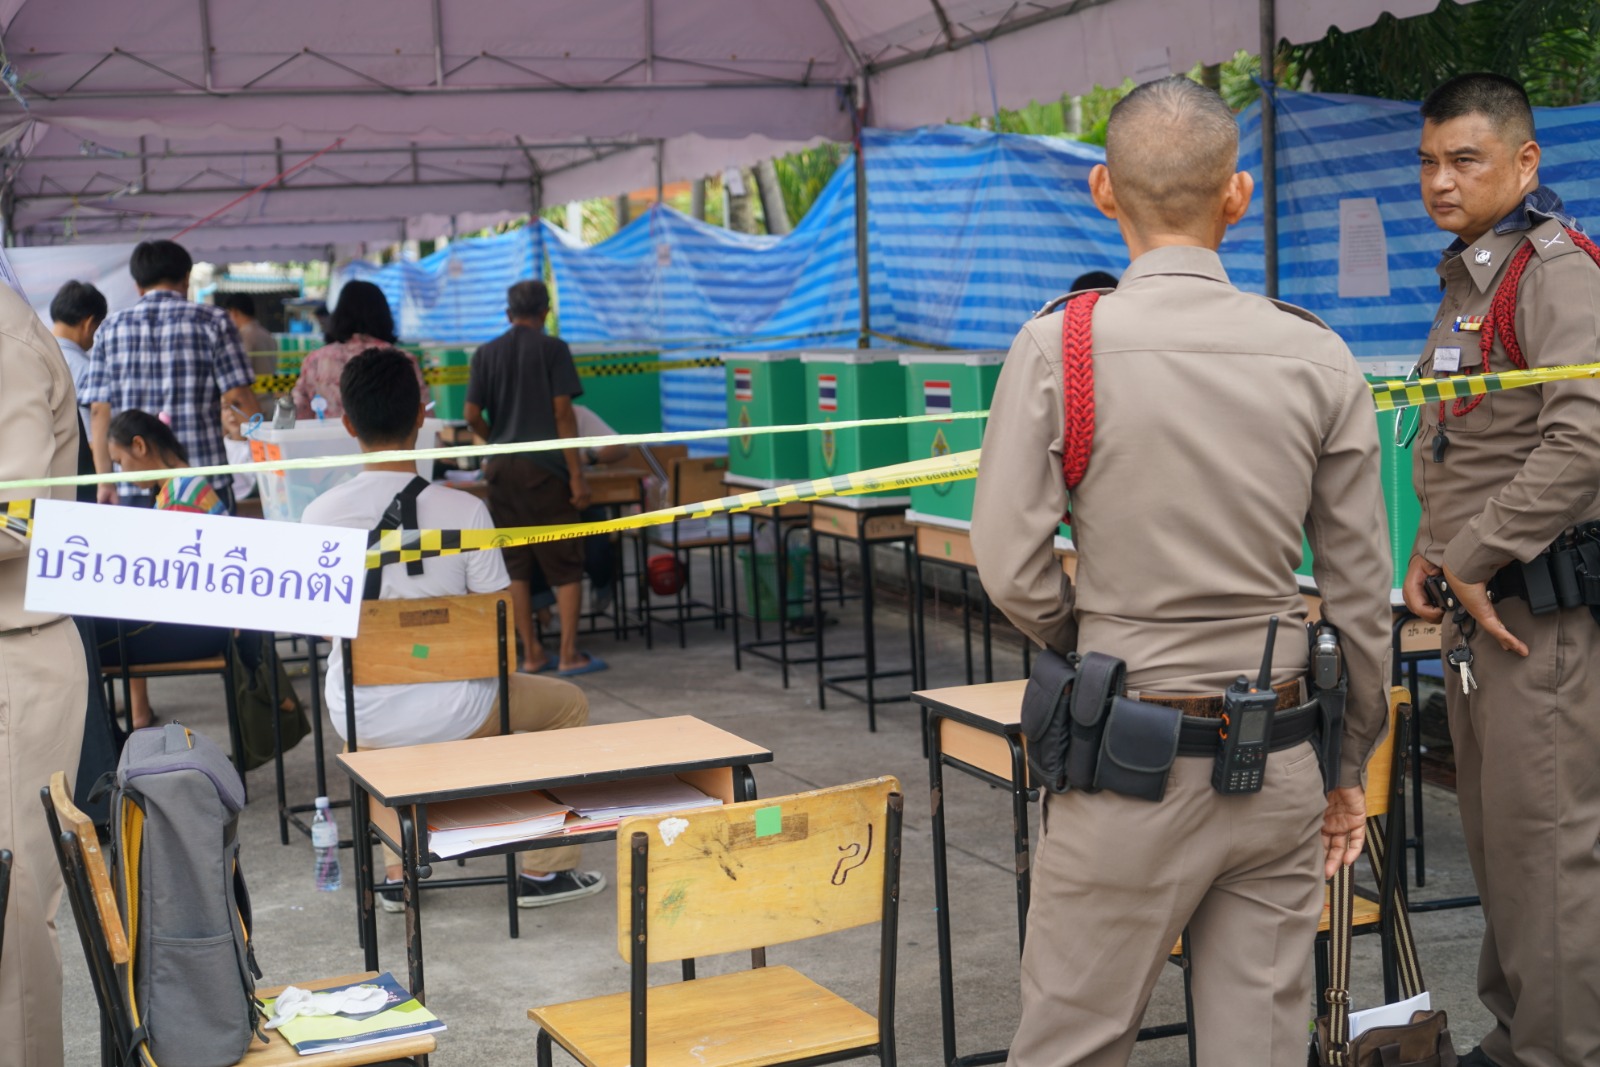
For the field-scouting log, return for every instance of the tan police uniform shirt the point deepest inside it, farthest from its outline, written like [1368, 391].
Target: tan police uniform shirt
[38, 436]
[1524, 465]
[1225, 425]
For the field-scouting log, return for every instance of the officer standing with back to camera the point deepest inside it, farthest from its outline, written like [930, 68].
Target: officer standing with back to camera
[1223, 425]
[1508, 486]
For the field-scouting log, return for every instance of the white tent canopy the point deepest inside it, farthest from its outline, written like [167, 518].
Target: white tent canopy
[433, 116]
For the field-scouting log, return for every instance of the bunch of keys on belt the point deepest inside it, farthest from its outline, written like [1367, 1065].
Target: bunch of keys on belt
[1459, 658]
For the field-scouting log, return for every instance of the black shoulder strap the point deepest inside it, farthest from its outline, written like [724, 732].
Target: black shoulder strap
[401, 514]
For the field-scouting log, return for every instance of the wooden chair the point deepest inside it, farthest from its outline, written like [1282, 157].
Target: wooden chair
[742, 877]
[5, 895]
[412, 642]
[690, 481]
[109, 955]
[1385, 837]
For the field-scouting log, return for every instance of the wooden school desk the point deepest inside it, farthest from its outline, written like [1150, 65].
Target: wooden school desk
[402, 782]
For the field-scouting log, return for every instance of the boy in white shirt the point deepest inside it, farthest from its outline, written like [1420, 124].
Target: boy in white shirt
[383, 410]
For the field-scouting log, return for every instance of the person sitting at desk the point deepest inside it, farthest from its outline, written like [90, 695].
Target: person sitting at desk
[140, 441]
[383, 410]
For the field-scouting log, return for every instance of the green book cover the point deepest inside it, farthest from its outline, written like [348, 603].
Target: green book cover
[402, 1016]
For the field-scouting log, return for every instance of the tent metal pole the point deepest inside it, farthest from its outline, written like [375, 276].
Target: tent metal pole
[438, 44]
[1269, 144]
[864, 338]
[205, 41]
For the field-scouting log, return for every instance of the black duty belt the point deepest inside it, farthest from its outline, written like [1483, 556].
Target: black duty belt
[1199, 737]
[1565, 575]
[1210, 707]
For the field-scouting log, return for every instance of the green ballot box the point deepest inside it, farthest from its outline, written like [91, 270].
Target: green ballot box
[941, 383]
[847, 384]
[1399, 499]
[618, 388]
[766, 389]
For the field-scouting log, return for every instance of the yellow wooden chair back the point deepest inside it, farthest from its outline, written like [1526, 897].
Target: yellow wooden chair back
[761, 873]
[94, 864]
[1380, 765]
[441, 639]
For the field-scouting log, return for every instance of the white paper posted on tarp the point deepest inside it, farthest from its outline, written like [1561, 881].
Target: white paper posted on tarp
[1363, 249]
[205, 570]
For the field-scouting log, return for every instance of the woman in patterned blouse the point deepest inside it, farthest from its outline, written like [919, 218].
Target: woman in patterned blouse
[360, 321]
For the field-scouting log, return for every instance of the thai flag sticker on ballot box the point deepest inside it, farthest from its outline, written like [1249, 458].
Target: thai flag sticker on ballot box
[936, 398]
[827, 392]
[743, 390]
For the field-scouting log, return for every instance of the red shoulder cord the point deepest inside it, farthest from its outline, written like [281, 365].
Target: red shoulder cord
[1077, 386]
[1502, 318]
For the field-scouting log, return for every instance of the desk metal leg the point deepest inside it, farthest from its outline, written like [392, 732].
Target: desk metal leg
[919, 636]
[269, 649]
[988, 635]
[733, 589]
[366, 910]
[941, 891]
[410, 879]
[1019, 826]
[966, 629]
[816, 609]
[868, 631]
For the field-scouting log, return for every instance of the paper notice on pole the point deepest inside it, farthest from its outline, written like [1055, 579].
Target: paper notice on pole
[204, 570]
[1363, 249]
[1388, 1015]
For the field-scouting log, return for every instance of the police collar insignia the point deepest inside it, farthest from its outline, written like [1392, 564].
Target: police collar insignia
[1482, 256]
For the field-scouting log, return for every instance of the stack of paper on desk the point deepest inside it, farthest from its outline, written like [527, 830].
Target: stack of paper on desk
[609, 802]
[459, 826]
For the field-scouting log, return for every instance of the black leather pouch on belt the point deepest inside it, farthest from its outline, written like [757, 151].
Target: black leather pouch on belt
[1099, 682]
[1139, 743]
[1046, 718]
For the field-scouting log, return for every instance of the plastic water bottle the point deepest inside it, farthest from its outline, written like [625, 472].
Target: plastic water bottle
[325, 842]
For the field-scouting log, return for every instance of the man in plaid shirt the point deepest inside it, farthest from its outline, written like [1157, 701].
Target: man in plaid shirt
[167, 354]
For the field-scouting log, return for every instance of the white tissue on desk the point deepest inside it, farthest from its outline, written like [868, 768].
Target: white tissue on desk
[294, 1002]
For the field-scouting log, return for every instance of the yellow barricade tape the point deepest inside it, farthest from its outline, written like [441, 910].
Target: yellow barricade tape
[1397, 394]
[404, 546]
[459, 374]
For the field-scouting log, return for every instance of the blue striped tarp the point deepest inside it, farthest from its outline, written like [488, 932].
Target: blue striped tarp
[970, 232]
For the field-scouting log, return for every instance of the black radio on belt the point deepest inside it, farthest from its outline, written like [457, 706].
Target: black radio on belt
[1246, 730]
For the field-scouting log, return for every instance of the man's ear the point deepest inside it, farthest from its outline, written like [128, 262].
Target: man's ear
[422, 413]
[1528, 161]
[349, 428]
[1236, 198]
[1100, 191]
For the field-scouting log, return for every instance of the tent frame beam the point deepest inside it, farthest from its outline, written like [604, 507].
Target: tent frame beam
[1001, 29]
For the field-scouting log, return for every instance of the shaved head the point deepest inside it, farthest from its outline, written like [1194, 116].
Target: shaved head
[1171, 146]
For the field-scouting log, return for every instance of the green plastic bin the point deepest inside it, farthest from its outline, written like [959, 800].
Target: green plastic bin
[449, 401]
[944, 382]
[766, 389]
[761, 576]
[627, 398]
[845, 384]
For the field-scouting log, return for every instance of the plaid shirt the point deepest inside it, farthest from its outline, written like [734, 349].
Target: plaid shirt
[167, 354]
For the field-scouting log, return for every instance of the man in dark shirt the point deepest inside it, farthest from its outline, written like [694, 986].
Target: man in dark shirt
[521, 388]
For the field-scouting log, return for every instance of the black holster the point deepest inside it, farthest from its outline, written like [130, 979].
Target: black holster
[1046, 718]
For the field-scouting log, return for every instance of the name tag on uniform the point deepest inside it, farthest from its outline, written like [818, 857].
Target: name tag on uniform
[1447, 359]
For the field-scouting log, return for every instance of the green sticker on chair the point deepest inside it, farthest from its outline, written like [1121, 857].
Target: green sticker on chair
[769, 821]
[419, 651]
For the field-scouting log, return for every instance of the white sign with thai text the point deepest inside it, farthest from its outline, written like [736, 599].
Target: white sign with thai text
[204, 570]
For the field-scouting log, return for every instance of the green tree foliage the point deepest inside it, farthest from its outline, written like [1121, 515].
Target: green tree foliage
[802, 176]
[1551, 46]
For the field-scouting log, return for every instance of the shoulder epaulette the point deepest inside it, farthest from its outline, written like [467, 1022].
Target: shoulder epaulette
[1299, 312]
[1058, 302]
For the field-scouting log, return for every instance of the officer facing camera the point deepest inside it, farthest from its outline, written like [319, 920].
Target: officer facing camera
[1507, 556]
[1205, 431]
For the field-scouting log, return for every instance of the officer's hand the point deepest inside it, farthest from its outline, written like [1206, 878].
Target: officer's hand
[1474, 596]
[106, 492]
[1344, 828]
[1415, 593]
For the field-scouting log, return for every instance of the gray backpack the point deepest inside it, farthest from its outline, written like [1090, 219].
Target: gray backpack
[175, 852]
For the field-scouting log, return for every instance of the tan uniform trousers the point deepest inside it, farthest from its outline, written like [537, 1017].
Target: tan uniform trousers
[43, 694]
[1116, 880]
[1527, 745]
[537, 703]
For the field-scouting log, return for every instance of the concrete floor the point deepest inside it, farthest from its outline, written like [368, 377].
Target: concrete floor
[481, 982]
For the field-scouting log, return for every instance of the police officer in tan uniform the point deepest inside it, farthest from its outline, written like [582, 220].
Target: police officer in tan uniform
[1501, 481]
[1226, 425]
[43, 686]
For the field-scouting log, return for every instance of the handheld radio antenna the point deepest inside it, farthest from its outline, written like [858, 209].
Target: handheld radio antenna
[1264, 682]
